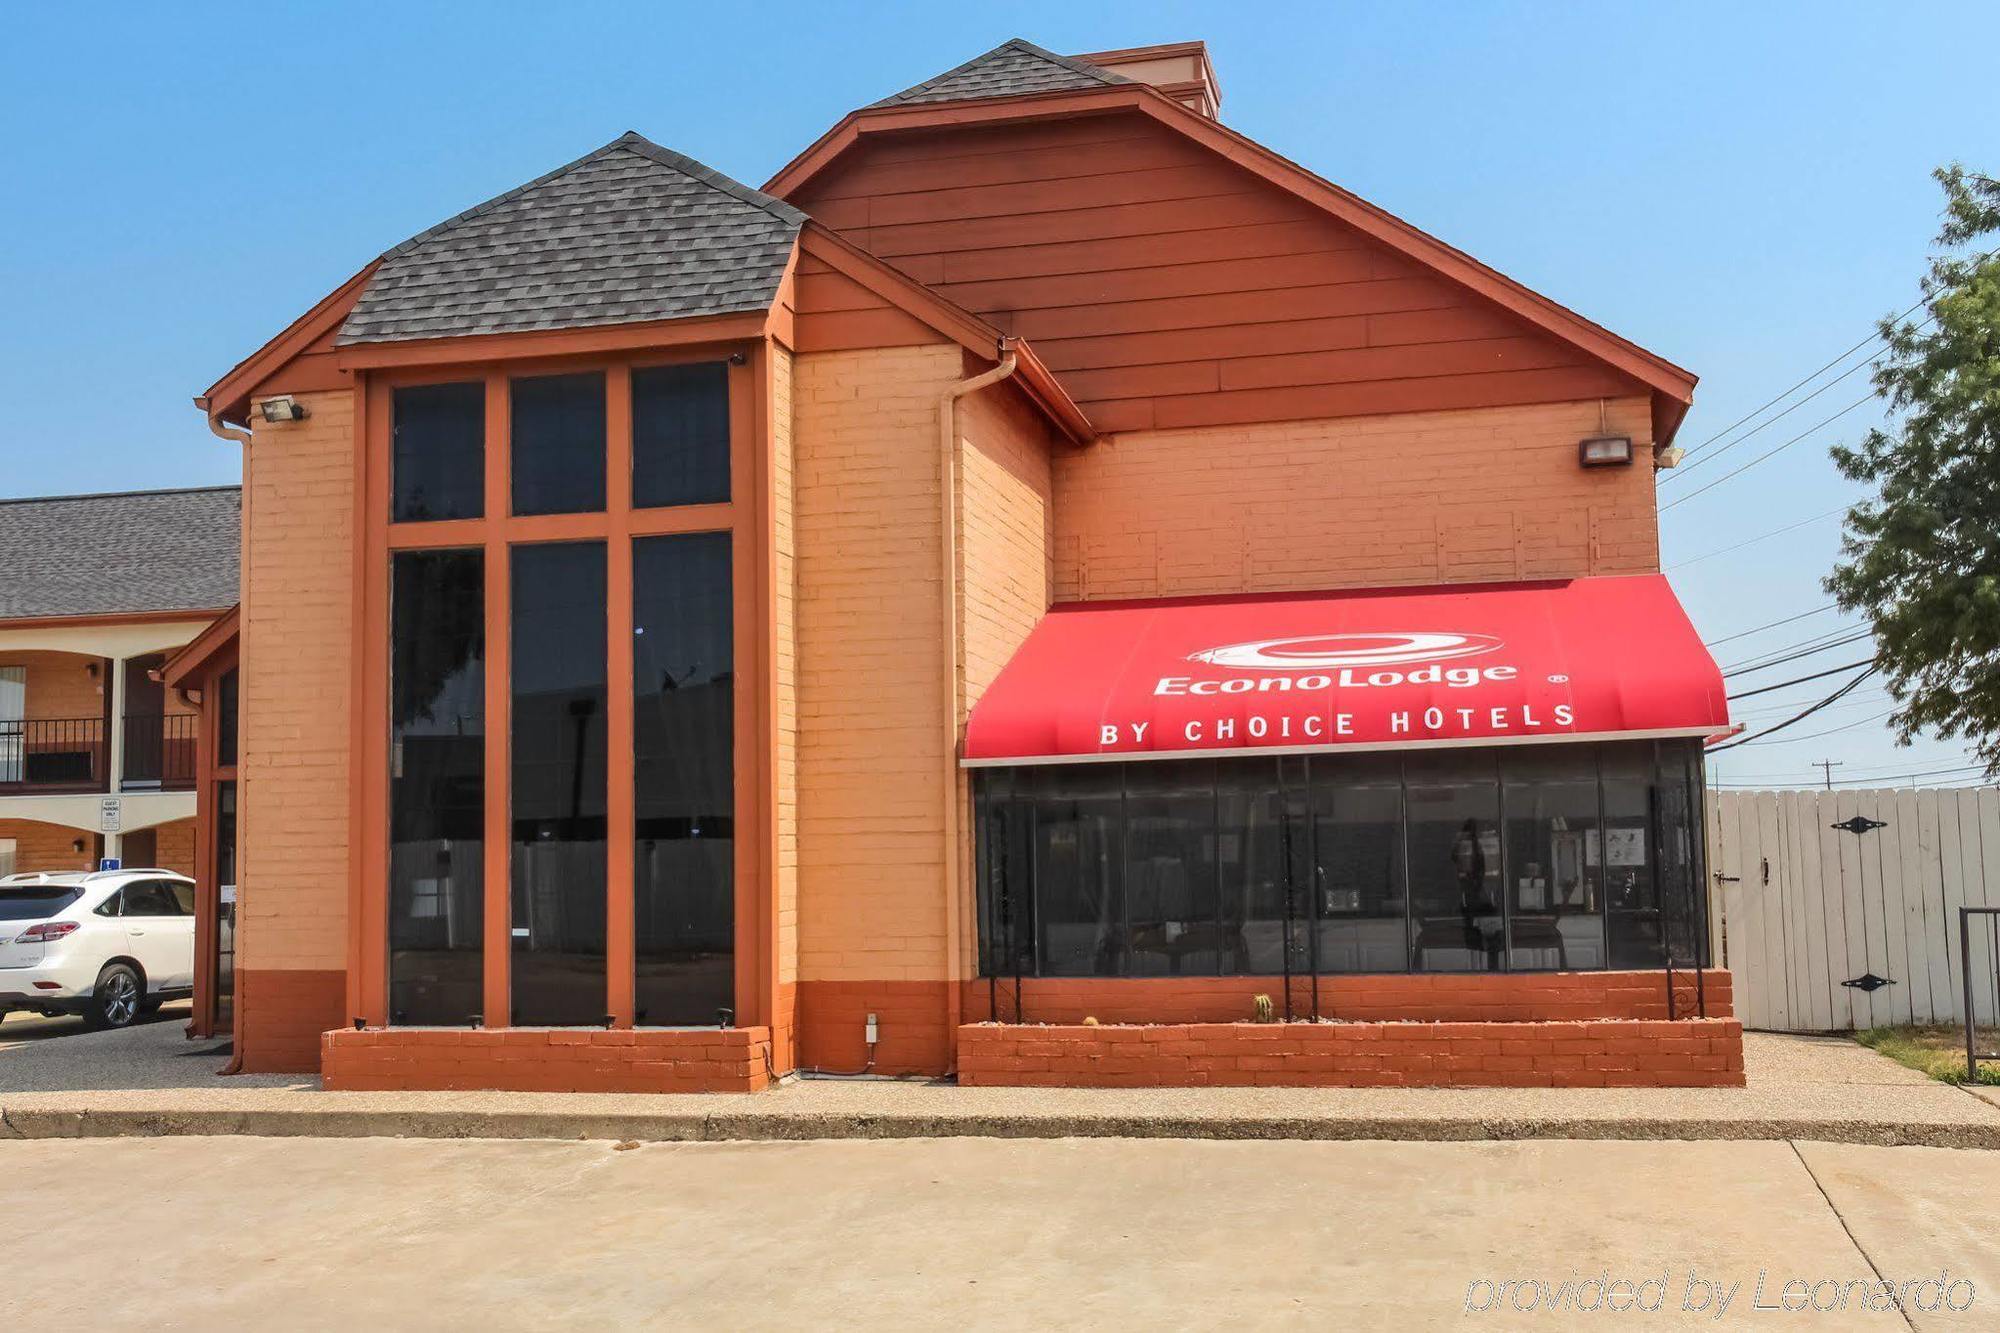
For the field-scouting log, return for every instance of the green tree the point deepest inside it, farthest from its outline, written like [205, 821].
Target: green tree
[1921, 558]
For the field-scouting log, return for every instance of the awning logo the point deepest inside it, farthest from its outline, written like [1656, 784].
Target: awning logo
[1320, 652]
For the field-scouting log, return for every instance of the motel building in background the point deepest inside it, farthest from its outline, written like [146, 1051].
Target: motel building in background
[1043, 557]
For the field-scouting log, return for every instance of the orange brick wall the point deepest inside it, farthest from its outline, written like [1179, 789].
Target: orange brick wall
[547, 1059]
[281, 1014]
[39, 846]
[1604, 1053]
[59, 685]
[298, 665]
[174, 846]
[870, 664]
[1456, 997]
[1427, 497]
[785, 664]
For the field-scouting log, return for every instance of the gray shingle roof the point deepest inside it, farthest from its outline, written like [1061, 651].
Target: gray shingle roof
[1010, 69]
[632, 232]
[81, 555]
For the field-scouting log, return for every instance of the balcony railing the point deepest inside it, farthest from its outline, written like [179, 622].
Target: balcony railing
[53, 755]
[159, 752]
[71, 754]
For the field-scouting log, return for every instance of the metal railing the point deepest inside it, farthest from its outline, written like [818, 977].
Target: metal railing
[1973, 1055]
[159, 751]
[64, 754]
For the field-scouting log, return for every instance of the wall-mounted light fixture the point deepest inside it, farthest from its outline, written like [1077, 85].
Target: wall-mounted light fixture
[1669, 457]
[1605, 451]
[282, 409]
[76, 844]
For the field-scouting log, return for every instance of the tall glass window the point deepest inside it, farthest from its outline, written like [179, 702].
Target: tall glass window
[680, 434]
[1358, 882]
[438, 450]
[1455, 862]
[1261, 843]
[1639, 926]
[1080, 909]
[1555, 859]
[558, 443]
[437, 787]
[1170, 884]
[557, 666]
[683, 732]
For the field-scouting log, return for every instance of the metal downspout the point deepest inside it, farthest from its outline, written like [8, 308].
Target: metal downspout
[948, 624]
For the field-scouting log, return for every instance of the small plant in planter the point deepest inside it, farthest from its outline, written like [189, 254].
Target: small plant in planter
[1266, 1012]
[1089, 1021]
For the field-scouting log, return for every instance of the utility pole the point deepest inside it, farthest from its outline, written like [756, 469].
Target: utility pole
[1827, 766]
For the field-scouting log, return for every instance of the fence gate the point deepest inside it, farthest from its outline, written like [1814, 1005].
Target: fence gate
[1839, 909]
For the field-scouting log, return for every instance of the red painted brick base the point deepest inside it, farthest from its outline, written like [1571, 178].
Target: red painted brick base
[1503, 997]
[1592, 1054]
[546, 1059]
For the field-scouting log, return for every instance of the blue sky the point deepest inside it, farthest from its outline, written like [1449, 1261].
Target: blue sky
[1741, 188]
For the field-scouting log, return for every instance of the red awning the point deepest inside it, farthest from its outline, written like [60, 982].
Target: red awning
[1483, 664]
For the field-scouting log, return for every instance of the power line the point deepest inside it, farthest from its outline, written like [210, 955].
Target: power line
[1769, 453]
[1821, 675]
[1786, 655]
[1802, 716]
[1686, 468]
[1952, 776]
[1780, 397]
[1759, 629]
[1752, 541]
[1830, 731]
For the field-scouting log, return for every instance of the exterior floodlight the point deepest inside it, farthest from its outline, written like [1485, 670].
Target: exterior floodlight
[1605, 451]
[282, 409]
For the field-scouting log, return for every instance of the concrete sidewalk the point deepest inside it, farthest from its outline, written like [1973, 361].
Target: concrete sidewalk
[150, 1081]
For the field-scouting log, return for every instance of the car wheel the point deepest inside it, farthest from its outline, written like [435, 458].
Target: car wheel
[115, 1002]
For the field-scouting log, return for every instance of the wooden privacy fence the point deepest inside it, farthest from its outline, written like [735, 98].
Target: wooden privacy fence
[1819, 897]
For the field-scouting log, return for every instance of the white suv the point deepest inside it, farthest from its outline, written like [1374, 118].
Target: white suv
[110, 944]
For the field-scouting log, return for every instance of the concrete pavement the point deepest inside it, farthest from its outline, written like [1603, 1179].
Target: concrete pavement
[151, 1081]
[229, 1233]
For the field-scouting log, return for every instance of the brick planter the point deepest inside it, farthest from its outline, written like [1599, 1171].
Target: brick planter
[546, 1059]
[1692, 1053]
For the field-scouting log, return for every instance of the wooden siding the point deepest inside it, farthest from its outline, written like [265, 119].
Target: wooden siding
[1171, 288]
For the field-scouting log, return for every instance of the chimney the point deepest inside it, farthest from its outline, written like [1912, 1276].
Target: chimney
[1181, 70]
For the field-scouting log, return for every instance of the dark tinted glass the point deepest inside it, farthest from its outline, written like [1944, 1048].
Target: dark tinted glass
[1358, 889]
[1170, 886]
[1262, 850]
[38, 904]
[558, 443]
[1003, 846]
[225, 747]
[680, 434]
[1078, 907]
[1453, 838]
[183, 897]
[1641, 922]
[683, 733]
[438, 467]
[149, 899]
[1555, 858]
[558, 730]
[437, 785]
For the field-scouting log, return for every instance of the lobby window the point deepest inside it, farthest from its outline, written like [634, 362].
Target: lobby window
[1079, 904]
[437, 719]
[557, 443]
[1529, 859]
[437, 452]
[558, 678]
[1171, 905]
[1456, 871]
[1357, 881]
[683, 732]
[680, 434]
[1555, 858]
